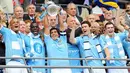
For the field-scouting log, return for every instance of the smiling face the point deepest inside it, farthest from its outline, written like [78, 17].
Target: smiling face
[85, 29]
[54, 33]
[34, 28]
[109, 29]
[14, 25]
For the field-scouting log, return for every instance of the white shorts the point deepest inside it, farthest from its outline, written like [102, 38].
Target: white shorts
[15, 70]
[118, 71]
[95, 71]
[61, 71]
[36, 72]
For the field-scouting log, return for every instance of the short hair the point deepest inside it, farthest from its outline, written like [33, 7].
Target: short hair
[86, 22]
[32, 24]
[58, 31]
[17, 7]
[30, 5]
[127, 4]
[108, 23]
[13, 21]
[71, 3]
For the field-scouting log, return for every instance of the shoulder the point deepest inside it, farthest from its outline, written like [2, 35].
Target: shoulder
[5, 30]
[26, 17]
[79, 38]
[79, 18]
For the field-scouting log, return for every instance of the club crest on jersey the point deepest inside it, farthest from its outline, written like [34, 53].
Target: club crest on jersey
[38, 48]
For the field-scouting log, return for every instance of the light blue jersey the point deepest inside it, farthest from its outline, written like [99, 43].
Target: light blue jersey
[114, 48]
[100, 45]
[14, 44]
[126, 45]
[74, 53]
[36, 49]
[57, 49]
[88, 51]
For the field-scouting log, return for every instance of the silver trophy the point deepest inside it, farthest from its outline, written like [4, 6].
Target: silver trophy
[50, 8]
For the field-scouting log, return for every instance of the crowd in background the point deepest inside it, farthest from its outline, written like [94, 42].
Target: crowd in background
[97, 33]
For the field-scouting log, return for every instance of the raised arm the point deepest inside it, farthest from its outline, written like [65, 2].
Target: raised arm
[117, 20]
[72, 36]
[46, 25]
[60, 20]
